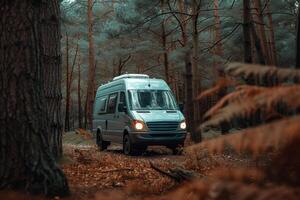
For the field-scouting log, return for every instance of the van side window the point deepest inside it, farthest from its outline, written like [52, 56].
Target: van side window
[112, 102]
[102, 105]
[123, 98]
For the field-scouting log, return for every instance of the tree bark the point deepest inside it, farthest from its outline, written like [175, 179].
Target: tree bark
[51, 58]
[273, 51]
[26, 154]
[260, 29]
[260, 55]
[298, 41]
[196, 86]
[91, 73]
[247, 32]
[189, 104]
[165, 54]
[67, 112]
[164, 45]
[85, 114]
[69, 76]
[219, 47]
[79, 93]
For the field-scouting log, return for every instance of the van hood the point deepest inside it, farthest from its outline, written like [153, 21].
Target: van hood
[158, 115]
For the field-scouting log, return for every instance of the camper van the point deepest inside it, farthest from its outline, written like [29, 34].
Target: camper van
[137, 111]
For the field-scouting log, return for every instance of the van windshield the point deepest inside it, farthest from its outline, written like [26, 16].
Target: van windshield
[151, 100]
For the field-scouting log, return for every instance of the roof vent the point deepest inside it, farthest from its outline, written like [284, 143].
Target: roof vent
[130, 76]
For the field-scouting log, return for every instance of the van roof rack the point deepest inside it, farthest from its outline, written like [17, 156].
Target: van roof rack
[130, 76]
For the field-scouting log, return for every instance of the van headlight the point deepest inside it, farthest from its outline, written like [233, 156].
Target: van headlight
[138, 125]
[182, 125]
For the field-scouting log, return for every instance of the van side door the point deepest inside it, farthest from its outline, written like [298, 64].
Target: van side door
[100, 114]
[111, 128]
[122, 116]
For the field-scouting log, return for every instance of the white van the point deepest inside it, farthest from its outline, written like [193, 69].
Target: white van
[137, 111]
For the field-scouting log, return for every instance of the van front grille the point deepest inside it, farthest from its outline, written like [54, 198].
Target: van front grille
[162, 126]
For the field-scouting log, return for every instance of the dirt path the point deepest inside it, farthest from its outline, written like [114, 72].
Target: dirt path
[91, 172]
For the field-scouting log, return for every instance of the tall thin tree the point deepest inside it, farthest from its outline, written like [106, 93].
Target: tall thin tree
[67, 111]
[79, 92]
[189, 104]
[164, 44]
[247, 32]
[298, 41]
[194, 61]
[91, 72]
[272, 45]
[259, 26]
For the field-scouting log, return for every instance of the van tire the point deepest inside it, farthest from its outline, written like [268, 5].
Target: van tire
[128, 147]
[102, 145]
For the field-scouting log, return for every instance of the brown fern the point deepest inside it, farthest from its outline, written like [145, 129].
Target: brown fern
[257, 140]
[242, 92]
[258, 106]
[263, 75]
[222, 84]
[280, 137]
[230, 190]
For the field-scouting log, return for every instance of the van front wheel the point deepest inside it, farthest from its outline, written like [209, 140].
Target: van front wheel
[102, 145]
[128, 147]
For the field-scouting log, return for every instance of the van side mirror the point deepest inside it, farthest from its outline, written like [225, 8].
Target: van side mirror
[181, 107]
[122, 107]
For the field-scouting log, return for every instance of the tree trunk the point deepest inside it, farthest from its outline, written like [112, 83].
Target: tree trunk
[196, 86]
[85, 114]
[25, 151]
[69, 83]
[67, 112]
[298, 41]
[273, 52]
[260, 29]
[218, 49]
[247, 32]
[51, 58]
[79, 93]
[165, 54]
[258, 47]
[164, 45]
[91, 73]
[189, 104]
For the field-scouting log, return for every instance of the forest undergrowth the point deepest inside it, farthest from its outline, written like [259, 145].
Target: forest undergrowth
[256, 157]
[112, 175]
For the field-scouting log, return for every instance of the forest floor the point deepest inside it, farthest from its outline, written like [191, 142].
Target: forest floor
[112, 175]
[94, 174]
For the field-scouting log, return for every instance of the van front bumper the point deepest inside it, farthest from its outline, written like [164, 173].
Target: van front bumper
[158, 138]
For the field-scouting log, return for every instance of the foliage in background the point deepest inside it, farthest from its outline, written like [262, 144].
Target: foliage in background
[128, 38]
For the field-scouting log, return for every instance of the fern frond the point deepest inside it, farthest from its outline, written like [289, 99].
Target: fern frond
[222, 84]
[274, 136]
[259, 105]
[281, 138]
[263, 75]
[231, 190]
[242, 92]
